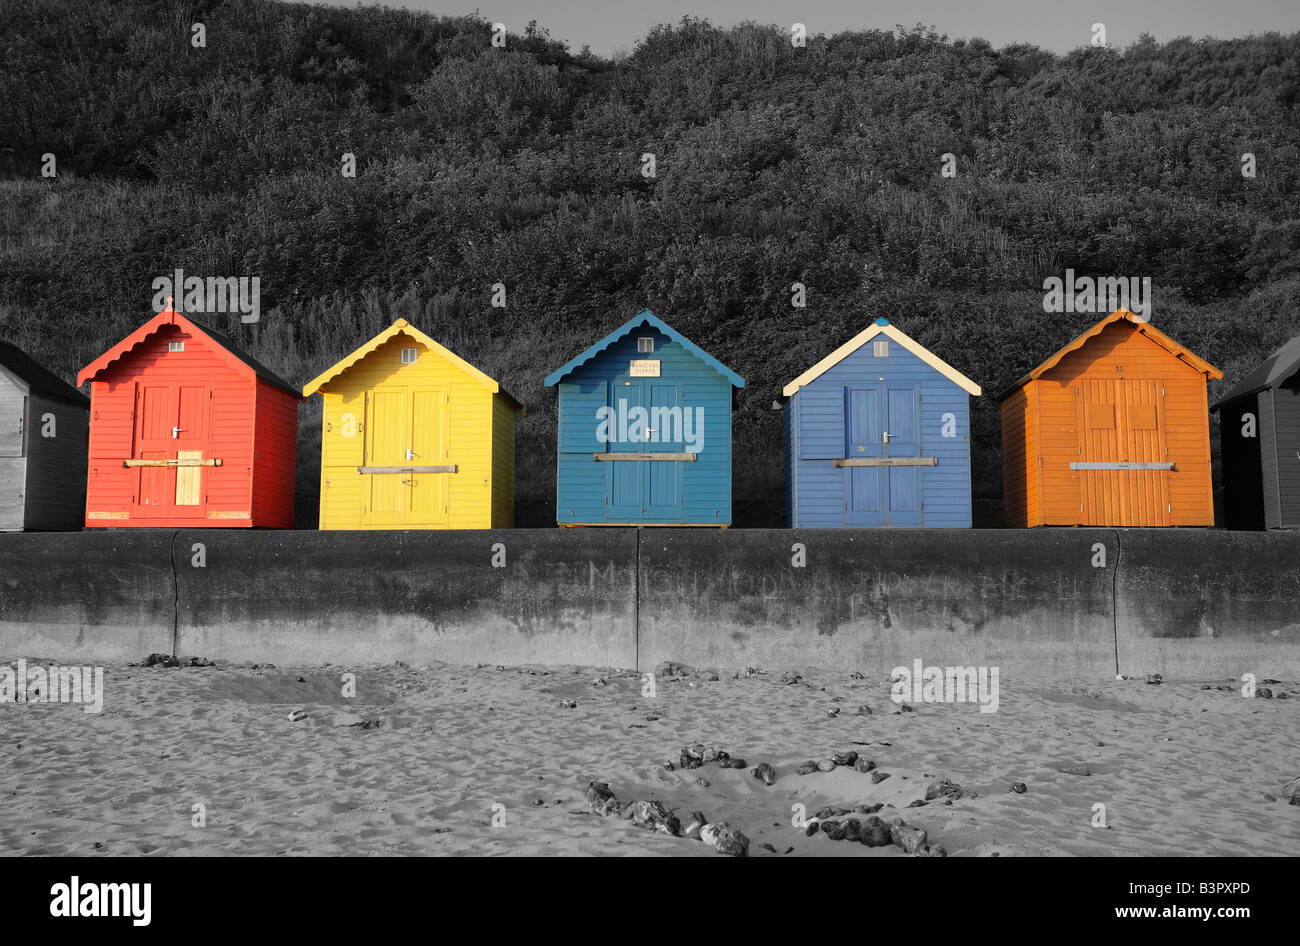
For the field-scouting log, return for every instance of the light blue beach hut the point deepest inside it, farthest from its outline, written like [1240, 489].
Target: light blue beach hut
[877, 435]
[644, 431]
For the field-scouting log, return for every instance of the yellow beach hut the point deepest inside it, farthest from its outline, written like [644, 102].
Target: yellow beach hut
[414, 437]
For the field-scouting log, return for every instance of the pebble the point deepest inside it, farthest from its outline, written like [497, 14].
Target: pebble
[1154, 679]
[765, 773]
[653, 815]
[946, 787]
[864, 710]
[845, 758]
[1019, 787]
[296, 716]
[833, 711]
[826, 765]
[910, 838]
[601, 799]
[1264, 693]
[875, 833]
[877, 777]
[725, 839]
[805, 768]
[864, 765]
[568, 704]
[1075, 770]
[694, 823]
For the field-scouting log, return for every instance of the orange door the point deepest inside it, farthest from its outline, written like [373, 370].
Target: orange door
[1123, 464]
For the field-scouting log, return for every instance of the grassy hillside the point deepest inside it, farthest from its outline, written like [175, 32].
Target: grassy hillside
[522, 166]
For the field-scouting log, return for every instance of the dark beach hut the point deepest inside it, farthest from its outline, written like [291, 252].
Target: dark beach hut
[1259, 436]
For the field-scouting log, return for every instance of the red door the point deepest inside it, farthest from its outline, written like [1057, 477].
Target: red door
[171, 425]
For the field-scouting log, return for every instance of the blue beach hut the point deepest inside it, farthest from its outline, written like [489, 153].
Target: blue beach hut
[877, 435]
[644, 431]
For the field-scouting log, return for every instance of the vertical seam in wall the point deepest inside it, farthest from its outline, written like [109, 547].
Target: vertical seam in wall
[636, 602]
[1114, 599]
[176, 597]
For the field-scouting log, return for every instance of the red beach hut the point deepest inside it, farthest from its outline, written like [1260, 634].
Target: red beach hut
[187, 430]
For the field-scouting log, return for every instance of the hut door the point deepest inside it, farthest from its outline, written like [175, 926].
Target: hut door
[883, 423]
[865, 498]
[663, 496]
[388, 431]
[171, 423]
[636, 490]
[427, 491]
[902, 435]
[1123, 448]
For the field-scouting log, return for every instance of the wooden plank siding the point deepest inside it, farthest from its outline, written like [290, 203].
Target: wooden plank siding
[13, 458]
[503, 463]
[275, 455]
[56, 482]
[1019, 452]
[1286, 426]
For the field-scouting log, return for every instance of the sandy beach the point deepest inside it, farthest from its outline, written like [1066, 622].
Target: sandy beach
[495, 761]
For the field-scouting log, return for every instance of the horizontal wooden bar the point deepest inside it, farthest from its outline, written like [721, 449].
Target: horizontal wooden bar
[408, 469]
[684, 457]
[887, 461]
[1121, 466]
[185, 462]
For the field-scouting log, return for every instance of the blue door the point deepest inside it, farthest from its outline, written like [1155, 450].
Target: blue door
[663, 496]
[882, 421]
[644, 490]
[865, 500]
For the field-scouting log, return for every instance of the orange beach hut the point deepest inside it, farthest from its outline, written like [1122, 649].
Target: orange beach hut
[1112, 430]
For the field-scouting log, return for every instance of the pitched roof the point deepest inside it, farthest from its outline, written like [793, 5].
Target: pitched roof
[1272, 372]
[403, 327]
[35, 377]
[1138, 323]
[169, 317]
[645, 317]
[881, 327]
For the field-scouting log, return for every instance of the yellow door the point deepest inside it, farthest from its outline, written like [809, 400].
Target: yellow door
[388, 429]
[428, 491]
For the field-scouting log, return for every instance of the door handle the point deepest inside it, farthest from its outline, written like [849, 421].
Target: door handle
[176, 431]
[884, 437]
[410, 454]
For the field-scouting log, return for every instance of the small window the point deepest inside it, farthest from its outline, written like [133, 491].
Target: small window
[880, 348]
[408, 356]
[645, 345]
[175, 346]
